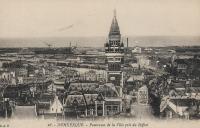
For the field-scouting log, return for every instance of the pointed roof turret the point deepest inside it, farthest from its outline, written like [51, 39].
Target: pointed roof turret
[114, 29]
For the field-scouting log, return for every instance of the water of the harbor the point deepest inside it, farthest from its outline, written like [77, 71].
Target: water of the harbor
[143, 41]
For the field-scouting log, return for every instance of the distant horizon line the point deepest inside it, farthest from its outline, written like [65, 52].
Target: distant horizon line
[103, 36]
[103, 46]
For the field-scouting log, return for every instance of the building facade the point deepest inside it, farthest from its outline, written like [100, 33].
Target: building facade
[114, 51]
[94, 99]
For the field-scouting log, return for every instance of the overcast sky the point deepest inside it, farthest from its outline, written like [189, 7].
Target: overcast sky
[66, 18]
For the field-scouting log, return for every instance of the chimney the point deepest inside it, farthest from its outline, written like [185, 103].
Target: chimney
[127, 44]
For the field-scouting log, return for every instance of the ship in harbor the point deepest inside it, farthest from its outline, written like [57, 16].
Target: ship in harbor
[65, 50]
[39, 50]
[55, 50]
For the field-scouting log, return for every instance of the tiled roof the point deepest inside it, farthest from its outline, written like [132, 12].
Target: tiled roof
[90, 98]
[196, 83]
[182, 102]
[181, 61]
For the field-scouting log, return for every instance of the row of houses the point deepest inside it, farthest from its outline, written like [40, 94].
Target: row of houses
[182, 101]
[88, 100]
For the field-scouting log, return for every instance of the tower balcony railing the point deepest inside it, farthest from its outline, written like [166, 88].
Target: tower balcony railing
[114, 44]
[111, 51]
[114, 68]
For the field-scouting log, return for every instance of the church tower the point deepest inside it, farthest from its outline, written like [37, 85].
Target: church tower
[114, 51]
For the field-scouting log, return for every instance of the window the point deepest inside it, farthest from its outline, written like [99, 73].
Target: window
[115, 108]
[108, 108]
[110, 59]
[117, 59]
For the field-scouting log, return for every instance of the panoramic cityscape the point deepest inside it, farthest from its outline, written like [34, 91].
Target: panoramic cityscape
[74, 64]
[111, 81]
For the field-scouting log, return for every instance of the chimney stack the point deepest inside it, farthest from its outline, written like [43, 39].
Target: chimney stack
[127, 44]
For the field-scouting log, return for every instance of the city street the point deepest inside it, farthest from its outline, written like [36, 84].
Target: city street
[24, 112]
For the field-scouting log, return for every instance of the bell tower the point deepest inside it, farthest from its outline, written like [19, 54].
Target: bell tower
[114, 51]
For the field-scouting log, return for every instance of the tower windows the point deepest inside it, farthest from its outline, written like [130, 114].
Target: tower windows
[114, 67]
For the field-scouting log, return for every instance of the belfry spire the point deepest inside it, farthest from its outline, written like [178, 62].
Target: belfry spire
[114, 29]
[114, 51]
[115, 13]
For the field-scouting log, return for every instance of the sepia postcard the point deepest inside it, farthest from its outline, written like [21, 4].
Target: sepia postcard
[99, 63]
